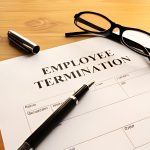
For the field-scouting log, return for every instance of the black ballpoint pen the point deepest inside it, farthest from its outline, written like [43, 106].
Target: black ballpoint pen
[53, 121]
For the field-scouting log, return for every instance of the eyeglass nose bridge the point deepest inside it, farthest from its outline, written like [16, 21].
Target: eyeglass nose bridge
[114, 26]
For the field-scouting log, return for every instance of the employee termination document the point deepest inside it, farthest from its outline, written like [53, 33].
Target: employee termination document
[113, 115]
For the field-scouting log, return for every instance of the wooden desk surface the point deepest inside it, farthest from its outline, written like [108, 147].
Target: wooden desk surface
[45, 22]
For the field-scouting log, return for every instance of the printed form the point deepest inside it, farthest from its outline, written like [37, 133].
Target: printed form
[113, 115]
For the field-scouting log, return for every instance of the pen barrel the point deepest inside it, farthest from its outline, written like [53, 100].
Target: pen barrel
[51, 123]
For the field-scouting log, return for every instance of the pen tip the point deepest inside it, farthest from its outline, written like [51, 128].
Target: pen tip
[90, 84]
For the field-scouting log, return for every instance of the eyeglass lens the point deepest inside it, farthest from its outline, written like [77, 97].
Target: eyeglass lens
[93, 23]
[142, 40]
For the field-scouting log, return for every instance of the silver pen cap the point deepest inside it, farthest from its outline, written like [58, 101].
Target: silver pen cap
[22, 42]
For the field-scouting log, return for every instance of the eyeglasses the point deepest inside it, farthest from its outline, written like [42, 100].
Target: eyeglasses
[95, 23]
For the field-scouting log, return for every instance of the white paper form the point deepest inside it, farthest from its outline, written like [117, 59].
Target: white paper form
[113, 115]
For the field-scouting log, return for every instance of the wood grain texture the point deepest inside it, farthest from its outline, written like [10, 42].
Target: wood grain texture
[46, 21]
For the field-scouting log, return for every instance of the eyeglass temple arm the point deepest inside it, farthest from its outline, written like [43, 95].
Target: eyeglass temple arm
[113, 37]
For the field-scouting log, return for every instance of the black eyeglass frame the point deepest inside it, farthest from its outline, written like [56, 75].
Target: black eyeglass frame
[108, 33]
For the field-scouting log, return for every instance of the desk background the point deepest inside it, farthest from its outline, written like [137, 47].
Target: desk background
[46, 21]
